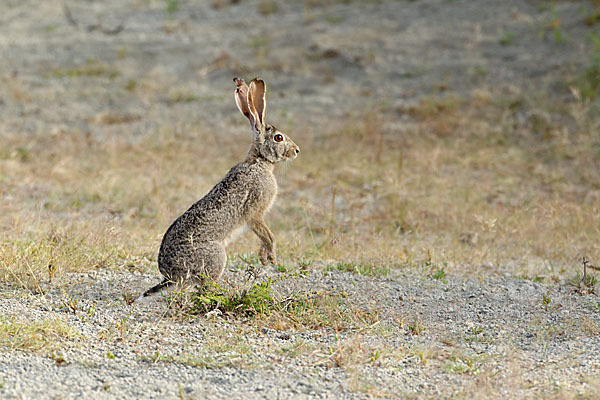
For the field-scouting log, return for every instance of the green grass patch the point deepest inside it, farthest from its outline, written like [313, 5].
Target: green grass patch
[91, 68]
[360, 269]
[257, 300]
[262, 302]
[507, 38]
[589, 82]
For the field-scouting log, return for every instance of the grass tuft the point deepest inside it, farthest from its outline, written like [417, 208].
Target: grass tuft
[263, 301]
[44, 336]
[360, 269]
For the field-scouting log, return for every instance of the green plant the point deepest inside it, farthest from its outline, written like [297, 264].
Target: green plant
[89, 313]
[130, 85]
[533, 279]
[182, 96]
[267, 7]
[359, 269]
[257, 300]
[91, 68]
[462, 365]
[439, 274]
[69, 303]
[153, 358]
[555, 27]
[546, 300]
[587, 282]
[507, 38]
[172, 6]
[415, 326]
[589, 82]
[334, 19]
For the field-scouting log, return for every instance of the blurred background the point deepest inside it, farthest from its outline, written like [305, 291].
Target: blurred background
[454, 134]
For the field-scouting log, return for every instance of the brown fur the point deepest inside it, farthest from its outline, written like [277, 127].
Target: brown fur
[193, 248]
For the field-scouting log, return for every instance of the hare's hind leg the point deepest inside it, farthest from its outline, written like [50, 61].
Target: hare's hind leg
[211, 260]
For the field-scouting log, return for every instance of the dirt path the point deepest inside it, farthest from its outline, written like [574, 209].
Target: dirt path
[430, 337]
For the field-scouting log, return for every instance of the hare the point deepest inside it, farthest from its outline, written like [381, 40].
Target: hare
[193, 248]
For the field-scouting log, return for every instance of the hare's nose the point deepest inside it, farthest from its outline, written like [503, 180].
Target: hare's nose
[297, 150]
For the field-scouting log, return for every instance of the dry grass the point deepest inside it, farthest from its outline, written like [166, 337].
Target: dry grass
[44, 336]
[490, 182]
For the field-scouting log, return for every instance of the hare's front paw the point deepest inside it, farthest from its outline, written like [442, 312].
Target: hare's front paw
[267, 255]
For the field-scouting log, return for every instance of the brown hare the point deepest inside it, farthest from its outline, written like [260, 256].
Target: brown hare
[193, 248]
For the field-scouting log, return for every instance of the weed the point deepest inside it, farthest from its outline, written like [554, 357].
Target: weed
[257, 300]
[415, 326]
[268, 7]
[587, 282]
[131, 85]
[21, 153]
[259, 42]
[153, 358]
[182, 96]
[44, 336]
[351, 352]
[89, 313]
[110, 355]
[172, 6]
[507, 38]
[200, 360]
[554, 26]
[423, 354]
[91, 68]
[69, 303]
[588, 83]
[462, 365]
[546, 300]
[58, 357]
[477, 334]
[439, 274]
[129, 297]
[359, 269]
[283, 268]
[25, 258]
[116, 331]
[590, 327]
[593, 17]
[479, 70]
[334, 19]
[297, 348]
[536, 278]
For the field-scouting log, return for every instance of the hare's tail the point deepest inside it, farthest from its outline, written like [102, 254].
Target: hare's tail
[155, 289]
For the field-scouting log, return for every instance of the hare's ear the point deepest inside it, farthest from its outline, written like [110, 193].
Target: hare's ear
[257, 99]
[241, 99]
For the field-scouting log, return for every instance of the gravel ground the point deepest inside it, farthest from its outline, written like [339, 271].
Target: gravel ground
[475, 338]
[491, 336]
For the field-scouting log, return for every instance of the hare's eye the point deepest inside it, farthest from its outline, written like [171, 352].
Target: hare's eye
[278, 138]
